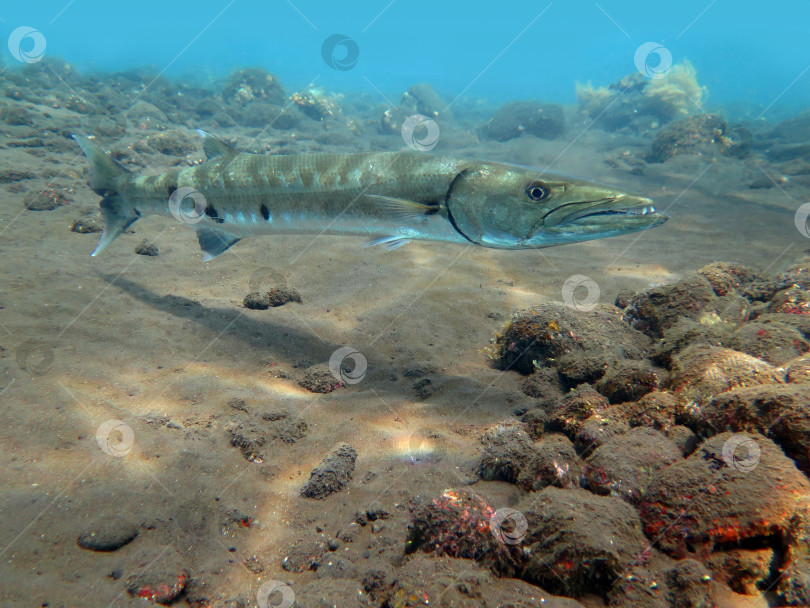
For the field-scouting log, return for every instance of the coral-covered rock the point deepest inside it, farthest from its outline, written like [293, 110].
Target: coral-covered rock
[773, 342]
[553, 330]
[580, 543]
[732, 489]
[554, 463]
[626, 465]
[507, 448]
[576, 407]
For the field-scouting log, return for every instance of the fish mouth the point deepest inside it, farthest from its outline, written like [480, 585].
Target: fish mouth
[635, 212]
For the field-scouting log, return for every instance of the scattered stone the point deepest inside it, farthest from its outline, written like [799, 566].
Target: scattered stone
[46, 199]
[626, 465]
[702, 135]
[507, 448]
[716, 499]
[457, 524]
[553, 330]
[684, 438]
[147, 248]
[576, 407]
[319, 379]
[534, 422]
[109, 534]
[628, 382]
[159, 578]
[544, 120]
[304, 555]
[87, 224]
[700, 373]
[655, 410]
[316, 103]
[253, 84]
[580, 543]
[598, 429]
[779, 412]
[553, 463]
[773, 342]
[332, 474]
[422, 99]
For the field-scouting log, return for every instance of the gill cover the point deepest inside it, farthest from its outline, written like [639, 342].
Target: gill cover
[484, 204]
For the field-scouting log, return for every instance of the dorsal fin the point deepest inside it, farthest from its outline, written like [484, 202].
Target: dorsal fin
[214, 147]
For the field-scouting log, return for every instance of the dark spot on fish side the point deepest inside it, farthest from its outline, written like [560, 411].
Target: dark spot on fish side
[265, 212]
[211, 212]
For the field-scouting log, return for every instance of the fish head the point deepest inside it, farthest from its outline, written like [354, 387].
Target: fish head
[514, 207]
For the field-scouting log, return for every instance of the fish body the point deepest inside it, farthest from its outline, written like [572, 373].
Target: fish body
[397, 196]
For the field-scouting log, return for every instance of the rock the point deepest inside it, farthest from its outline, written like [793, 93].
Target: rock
[688, 581]
[553, 330]
[779, 412]
[600, 428]
[576, 407]
[253, 84]
[144, 115]
[332, 474]
[542, 384]
[146, 248]
[640, 588]
[716, 499]
[580, 543]
[544, 120]
[628, 382]
[797, 371]
[46, 199]
[576, 369]
[423, 99]
[702, 135]
[655, 410]
[625, 466]
[87, 224]
[701, 373]
[319, 379]
[507, 448]
[728, 278]
[745, 571]
[773, 342]
[553, 463]
[457, 524]
[174, 142]
[304, 554]
[684, 438]
[158, 576]
[109, 534]
[317, 103]
[275, 297]
[659, 308]
[534, 421]
[331, 593]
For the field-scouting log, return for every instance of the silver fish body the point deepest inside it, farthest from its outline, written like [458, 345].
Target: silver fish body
[397, 196]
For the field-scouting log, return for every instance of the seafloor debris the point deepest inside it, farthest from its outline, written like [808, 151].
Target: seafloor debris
[108, 534]
[332, 474]
[276, 296]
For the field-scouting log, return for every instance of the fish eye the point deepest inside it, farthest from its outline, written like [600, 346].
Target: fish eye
[537, 191]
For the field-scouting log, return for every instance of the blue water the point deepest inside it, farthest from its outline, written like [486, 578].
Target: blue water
[743, 51]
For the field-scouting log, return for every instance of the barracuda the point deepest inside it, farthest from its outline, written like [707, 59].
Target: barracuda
[393, 196]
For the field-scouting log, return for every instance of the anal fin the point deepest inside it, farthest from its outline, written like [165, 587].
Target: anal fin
[214, 242]
[389, 242]
[117, 218]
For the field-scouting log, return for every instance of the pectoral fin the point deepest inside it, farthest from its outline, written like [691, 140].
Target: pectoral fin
[402, 208]
[214, 242]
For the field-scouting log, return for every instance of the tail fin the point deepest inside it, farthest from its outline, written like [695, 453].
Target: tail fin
[105, 174]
